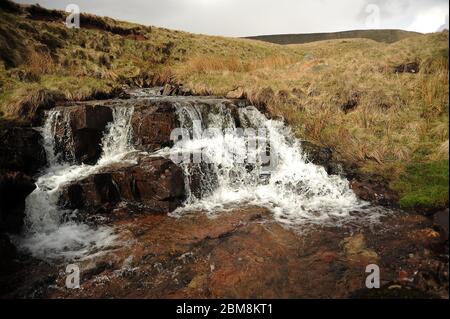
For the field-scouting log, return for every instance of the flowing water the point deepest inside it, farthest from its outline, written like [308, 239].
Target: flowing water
[263, 165]
[295, 190]
[51, 231]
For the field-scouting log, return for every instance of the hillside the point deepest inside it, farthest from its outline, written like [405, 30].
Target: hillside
[382, 107]
[386, 36]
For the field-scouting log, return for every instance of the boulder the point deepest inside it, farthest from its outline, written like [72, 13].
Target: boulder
[21, 150]
[152, 123]
[78, 136]
[322, 156]
[155, 182]
[14, 188]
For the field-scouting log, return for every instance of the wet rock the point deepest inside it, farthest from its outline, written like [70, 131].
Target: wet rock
[155, 182]
[393, 291]
[14, 188]
[78, 136]
[203, 179]
[322, 156]
[411, 67]
[356, 250]
[373, 191]
[152, 124]
[21, 150]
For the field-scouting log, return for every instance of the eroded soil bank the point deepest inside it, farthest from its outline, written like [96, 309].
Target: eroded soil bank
[245, 254]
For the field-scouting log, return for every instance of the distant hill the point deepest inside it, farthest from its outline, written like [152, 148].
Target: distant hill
[387, 36]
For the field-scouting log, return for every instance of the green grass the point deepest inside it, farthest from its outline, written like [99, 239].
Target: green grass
[424, 185]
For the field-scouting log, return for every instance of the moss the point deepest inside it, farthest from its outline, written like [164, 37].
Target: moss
[424, 185]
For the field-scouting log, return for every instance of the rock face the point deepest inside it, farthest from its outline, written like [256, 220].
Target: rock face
[154, 182]
[152, 123]
[14, 188]
[79, 134]
[322, 156]
[21, 150]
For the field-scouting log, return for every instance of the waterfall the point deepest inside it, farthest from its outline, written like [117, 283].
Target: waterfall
[295, 190]
[51, 231]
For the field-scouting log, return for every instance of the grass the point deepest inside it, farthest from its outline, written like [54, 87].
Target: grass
[424, 186]
[341, 93]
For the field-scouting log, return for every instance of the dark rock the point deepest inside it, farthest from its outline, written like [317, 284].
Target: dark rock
[440, 219]
[152, 124]
[14, 188]
[21, 150]
[374, 191]
[155, 182]
[411, 67]
[203, 179]
[83, 126]
[322, 156]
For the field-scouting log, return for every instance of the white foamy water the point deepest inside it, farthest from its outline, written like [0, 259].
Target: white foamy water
[52, 232]
[295, 190]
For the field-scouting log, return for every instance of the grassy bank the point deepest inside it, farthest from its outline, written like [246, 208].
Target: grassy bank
[350, 94]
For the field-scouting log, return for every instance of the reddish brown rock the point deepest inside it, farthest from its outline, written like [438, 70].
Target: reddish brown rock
[246, 254]
[80, 131]
[374, 191]
[152, 124]
[155, 182]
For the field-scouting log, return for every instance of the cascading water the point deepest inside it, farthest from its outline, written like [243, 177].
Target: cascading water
[233, 169]
[52, 232]
[296, 191]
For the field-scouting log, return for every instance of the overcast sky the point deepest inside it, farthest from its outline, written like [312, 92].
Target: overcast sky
[257, 17]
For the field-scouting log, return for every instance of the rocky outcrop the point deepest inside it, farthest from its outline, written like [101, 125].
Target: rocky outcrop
[152, 124]
[154, 182]
[79, 133]
[322, 156]
[21, 150]
[14, 188]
